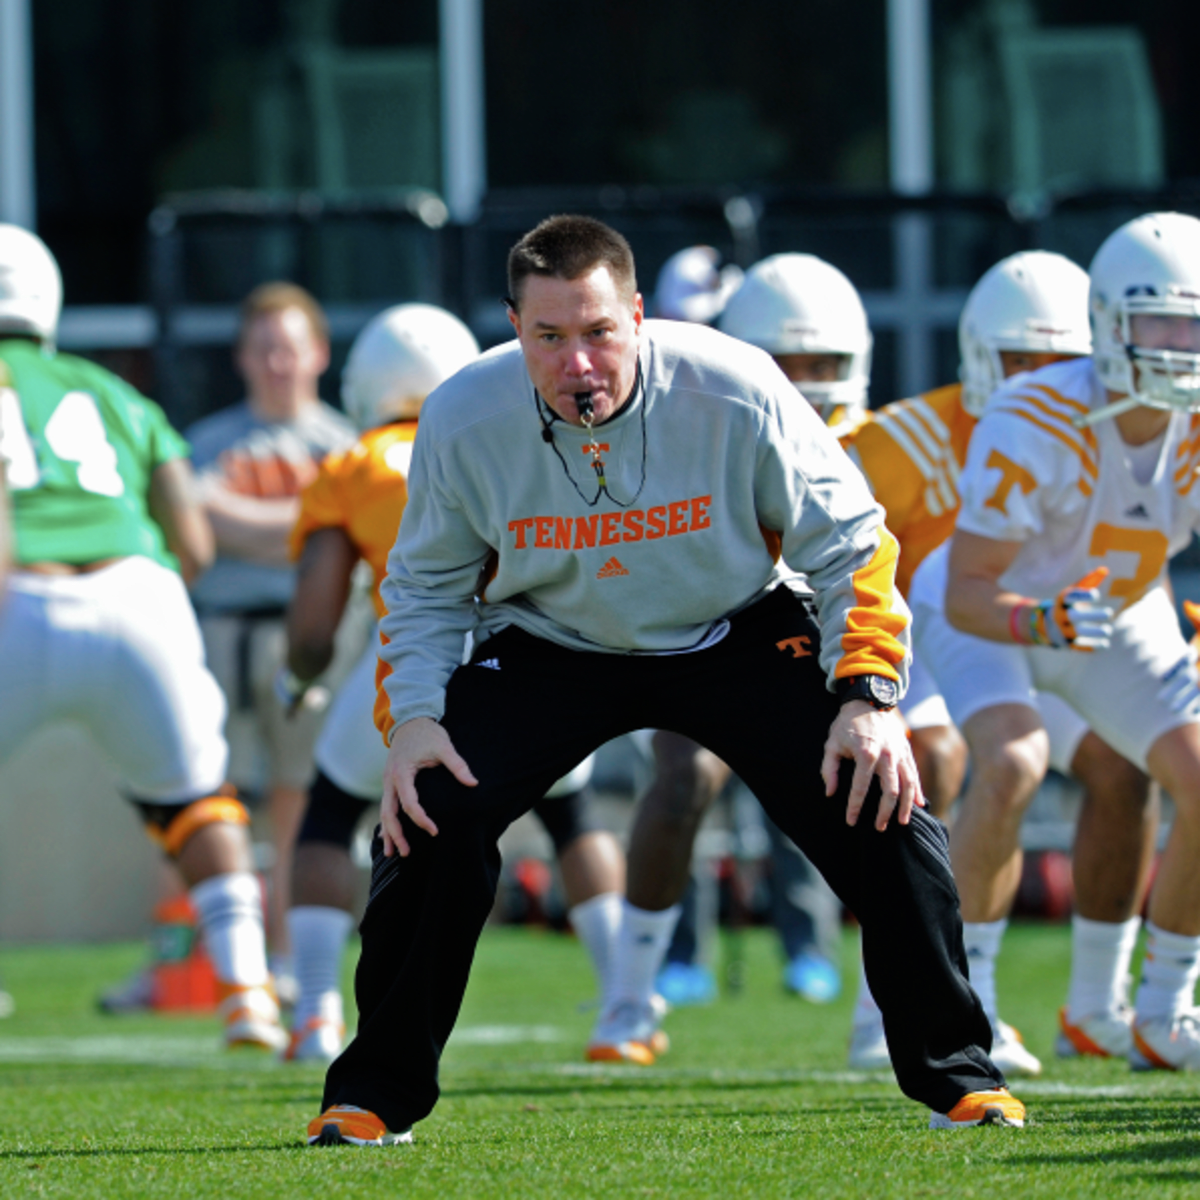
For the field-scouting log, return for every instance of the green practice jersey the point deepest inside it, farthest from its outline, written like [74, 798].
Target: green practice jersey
[79, 446]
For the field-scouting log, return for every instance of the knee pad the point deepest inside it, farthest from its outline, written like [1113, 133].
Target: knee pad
[565, 818]
[172, 825]
[331, 815]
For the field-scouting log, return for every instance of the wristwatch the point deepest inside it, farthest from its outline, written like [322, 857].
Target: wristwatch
[877, 690]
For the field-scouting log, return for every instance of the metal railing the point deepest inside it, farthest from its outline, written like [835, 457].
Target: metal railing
[914, 258]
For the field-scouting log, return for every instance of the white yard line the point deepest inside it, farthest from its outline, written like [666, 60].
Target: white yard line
[204, 1050]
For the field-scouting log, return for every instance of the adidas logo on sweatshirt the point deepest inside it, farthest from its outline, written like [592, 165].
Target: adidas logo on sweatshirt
[611, 568]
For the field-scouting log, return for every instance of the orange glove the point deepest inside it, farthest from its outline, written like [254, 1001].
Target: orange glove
[1074, 620]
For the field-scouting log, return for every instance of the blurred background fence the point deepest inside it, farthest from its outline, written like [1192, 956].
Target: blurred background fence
[175, 155]
[913, 258]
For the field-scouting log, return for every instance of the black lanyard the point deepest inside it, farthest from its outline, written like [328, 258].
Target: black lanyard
[594, 447]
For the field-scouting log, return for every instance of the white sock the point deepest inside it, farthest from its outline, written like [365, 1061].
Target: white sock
[319, 936]
[1168, 973]
[866, 1011]
[1100, 954]
[231, 917]
[982, 942]
[641, 945]
[597, 923]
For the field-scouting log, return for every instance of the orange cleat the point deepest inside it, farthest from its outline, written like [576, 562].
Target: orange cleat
[621, 1052]
[1103, 1035]
[345, 1125]
[996, 1107]
[628, 1031]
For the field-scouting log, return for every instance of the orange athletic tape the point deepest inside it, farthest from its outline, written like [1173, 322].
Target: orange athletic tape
[210, 811]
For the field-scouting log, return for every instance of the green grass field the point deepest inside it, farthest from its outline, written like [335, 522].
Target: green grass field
[753, 1100]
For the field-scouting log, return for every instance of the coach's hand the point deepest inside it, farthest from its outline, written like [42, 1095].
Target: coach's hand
[878, 744]
[416, 744]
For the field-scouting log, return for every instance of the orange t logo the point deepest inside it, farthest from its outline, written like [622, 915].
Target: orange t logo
[797, 645]
[1013, 476]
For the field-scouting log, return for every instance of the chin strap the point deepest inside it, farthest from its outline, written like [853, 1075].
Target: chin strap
[1115, 409]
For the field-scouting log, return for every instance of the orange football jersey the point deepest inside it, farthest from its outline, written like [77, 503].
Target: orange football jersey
[911, 453]
[362, 490]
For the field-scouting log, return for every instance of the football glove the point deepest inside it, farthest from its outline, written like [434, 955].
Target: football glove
[1075, 619]
[1181, 686]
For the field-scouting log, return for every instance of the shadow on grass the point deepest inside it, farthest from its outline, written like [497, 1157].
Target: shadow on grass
[607, 1085]
[1165, 1133]
[1143, 1156]
[1166, 1115]
[155, 1151]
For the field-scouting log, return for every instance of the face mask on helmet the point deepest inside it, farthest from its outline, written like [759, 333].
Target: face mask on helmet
[399, 358]
[797, 306]
[1034, 302]
[30, 285]
[825, 381]
[1145, 307]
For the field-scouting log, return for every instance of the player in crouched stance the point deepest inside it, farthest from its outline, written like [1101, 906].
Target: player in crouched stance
[1080, 482]
[1028, 311]
[97, 626]
[597, 439]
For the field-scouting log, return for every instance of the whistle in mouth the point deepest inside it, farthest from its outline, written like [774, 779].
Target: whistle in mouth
[583, 402]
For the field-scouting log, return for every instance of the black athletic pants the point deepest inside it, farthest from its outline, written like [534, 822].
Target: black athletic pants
[536, 710]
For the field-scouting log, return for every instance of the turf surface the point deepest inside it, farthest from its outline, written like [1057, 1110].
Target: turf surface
[753, 1100]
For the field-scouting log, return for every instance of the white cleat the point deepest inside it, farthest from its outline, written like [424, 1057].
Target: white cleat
[1009, 1053]
[251, 1016]
[1167, 1043]
[316, 1040]
[1101, 1035]
[869, 1048]
[628, 1032]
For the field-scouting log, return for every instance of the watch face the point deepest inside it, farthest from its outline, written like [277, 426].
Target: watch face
[886, 691]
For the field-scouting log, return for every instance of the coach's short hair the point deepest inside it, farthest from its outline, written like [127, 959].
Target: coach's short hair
[280, 296]
[566, 247]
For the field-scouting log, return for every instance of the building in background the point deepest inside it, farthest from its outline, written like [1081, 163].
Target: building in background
[630, 109]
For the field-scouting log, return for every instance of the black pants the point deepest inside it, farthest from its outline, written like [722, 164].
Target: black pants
[751, 701]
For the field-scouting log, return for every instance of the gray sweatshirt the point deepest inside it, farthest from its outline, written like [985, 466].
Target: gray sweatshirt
[714, 469]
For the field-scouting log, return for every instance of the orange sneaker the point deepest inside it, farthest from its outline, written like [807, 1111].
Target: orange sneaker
[345, 1125]
[996, 1107]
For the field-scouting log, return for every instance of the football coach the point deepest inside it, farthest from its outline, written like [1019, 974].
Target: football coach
[618, 510]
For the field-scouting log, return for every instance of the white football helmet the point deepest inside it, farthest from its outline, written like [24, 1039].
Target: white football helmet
[30, 285]
[800, 304]
[1034, 301]
[400, 356]
[693, 286]
[1150, 266]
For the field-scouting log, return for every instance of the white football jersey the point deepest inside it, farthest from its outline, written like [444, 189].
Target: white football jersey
[1070, 495]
